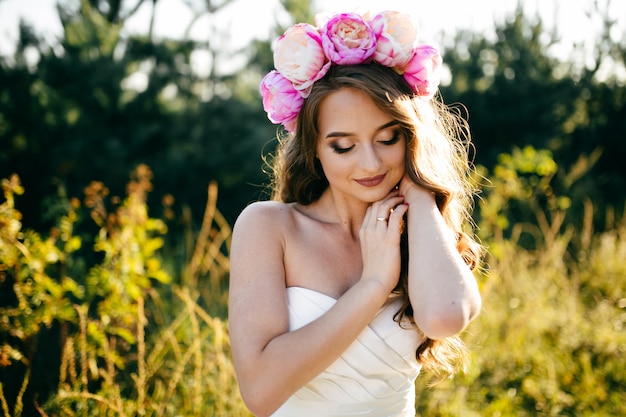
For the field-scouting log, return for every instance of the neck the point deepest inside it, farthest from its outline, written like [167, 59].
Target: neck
[348, 214]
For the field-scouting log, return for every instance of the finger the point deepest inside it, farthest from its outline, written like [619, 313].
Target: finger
[387, 206]
[396, 218]
[392, 194]
[381, 219]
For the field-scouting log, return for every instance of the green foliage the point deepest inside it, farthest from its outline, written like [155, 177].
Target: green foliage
[519, 94]
[550, 338]
[138, 340]
[137, 304]
[27, 260]
[101, 96]
[133, 341]
[300, 10]
[522, 190]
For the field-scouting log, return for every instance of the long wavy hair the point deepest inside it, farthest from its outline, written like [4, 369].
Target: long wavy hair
[437, 145]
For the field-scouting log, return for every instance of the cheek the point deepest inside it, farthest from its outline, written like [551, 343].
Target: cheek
[397, 159]
[398, 164]
[400, 170]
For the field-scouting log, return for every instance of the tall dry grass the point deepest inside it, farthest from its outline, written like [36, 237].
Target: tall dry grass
[135, 340]
[142, 335]
[550, 339]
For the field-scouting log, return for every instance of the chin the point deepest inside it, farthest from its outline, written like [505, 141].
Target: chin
[376, 194]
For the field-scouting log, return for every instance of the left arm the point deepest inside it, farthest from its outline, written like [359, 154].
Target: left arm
[442, 288]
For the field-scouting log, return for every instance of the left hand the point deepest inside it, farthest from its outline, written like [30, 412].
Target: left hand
[414, 193]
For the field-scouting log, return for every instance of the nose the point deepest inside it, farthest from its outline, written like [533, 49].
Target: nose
[370, 160]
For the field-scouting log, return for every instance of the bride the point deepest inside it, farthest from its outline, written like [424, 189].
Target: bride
[358, 272]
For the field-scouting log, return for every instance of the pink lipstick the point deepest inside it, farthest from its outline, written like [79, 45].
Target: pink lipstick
[371, 181]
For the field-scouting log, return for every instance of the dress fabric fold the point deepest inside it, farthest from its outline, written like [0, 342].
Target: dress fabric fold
[374, 377]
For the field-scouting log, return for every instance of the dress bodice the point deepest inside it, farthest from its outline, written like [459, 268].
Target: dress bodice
[374, 377]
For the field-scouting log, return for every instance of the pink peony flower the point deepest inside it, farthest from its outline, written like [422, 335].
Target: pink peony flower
[299, 57]
[396, 36]
[422, 72]
[347, 39]
[281, 100]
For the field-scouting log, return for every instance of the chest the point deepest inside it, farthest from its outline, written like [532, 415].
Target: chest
[318, 258]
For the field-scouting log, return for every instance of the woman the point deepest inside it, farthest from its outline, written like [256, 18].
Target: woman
[358, 272]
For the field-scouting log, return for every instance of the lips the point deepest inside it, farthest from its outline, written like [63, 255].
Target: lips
[371, 181]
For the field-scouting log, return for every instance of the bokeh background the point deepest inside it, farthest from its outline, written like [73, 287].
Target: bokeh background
[132, 134]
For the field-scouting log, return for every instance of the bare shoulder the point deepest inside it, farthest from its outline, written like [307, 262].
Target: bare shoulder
[263, 216]
[257, 270]
[260, 232]
[265, 209]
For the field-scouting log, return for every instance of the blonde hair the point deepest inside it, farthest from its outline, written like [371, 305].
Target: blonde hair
[438, 144]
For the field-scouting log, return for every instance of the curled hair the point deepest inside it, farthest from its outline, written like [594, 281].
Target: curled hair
[437, 144]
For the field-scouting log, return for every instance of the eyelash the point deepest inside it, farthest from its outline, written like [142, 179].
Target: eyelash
[340, 150]
[395, 139]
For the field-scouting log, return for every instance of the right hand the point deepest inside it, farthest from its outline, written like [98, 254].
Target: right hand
[380, 241]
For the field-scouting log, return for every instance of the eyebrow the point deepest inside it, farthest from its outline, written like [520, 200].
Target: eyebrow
[343, 134]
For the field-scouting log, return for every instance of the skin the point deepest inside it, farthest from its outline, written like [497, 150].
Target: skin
[337, 247]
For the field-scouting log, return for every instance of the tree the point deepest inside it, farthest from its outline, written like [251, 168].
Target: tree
[85, 117]
[518, 94]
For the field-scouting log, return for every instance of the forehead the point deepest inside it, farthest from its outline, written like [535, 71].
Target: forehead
[350, 110]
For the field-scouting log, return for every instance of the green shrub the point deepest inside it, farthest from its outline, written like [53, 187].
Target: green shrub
[550, 338]
[142, 334]
[133, 340]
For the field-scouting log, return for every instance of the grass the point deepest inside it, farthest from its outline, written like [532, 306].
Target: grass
[550, 340]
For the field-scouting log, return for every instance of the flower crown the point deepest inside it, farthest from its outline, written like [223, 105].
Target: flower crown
[304, 54]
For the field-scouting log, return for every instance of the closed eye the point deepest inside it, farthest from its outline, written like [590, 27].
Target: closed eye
[395, 139]
[340, 150]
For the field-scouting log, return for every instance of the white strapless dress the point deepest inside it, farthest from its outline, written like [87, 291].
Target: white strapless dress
[374, 377]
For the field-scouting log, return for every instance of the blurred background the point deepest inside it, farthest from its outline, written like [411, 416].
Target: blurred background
[132, 134]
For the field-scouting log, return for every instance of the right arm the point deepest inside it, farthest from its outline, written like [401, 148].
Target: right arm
[272, 363]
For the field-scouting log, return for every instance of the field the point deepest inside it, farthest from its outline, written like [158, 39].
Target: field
[108, 314]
